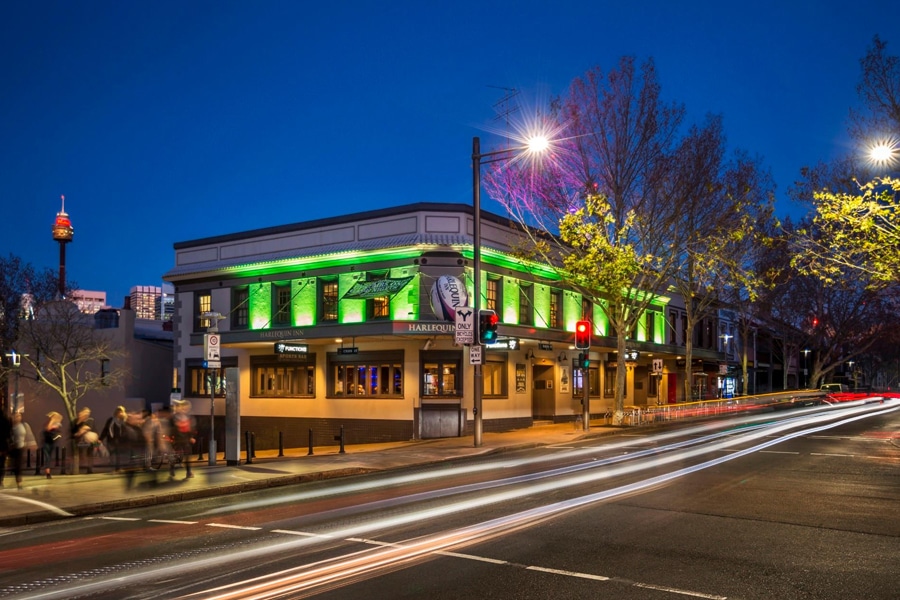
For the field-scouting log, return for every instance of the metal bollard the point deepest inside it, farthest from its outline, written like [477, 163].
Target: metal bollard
[247, 447]
[252, 444]
[310, 453]
[280, 443]
[342, 439]
[200, 453]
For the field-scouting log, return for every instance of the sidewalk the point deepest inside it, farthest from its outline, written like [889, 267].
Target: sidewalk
[66, 496]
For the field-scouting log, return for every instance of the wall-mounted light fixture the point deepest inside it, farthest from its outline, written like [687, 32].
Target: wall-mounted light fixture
[529, 355]
[428, 344]
[562, 357]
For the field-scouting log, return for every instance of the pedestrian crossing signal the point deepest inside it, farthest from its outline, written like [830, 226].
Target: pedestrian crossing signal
[583, 335]
[487, 326]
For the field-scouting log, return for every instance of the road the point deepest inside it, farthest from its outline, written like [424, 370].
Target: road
[794, 504]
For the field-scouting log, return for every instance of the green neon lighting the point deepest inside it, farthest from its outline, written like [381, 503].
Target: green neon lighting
[322, 261]
[510, 308]
[541, 306]
[571, 310]
[350, 311]
[304, 300]
[260, 305]
[405, 304]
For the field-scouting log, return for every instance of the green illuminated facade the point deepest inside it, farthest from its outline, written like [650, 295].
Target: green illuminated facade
[356, 293]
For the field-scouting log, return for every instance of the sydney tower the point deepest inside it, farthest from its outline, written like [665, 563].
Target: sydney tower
[62, 233]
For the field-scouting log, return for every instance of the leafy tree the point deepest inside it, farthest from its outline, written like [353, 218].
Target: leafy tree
[601, 207]
[854, 231]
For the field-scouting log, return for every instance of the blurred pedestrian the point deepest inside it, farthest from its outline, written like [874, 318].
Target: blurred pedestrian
[52, 435]
[112, 436]
[152, 433]
[131, 447]
[18, 439]
[86, 439]
[183, 431]
[5, 433]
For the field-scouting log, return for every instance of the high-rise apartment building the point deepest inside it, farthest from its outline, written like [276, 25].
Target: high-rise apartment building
[153, 302]
[144, 300]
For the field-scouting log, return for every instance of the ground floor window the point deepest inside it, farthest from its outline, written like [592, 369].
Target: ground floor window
[367, 375]
[202, 381]
[441, 374]
[494, 376]
[593, 377]
[609, 382]
[271, 378]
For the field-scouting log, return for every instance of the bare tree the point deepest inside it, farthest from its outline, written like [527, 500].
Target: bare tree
[723, 205]
[68, 355]
[20, 286]
[879, 91]
[600, 208]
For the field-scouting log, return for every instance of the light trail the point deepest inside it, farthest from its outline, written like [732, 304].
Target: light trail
[307, 577]
[491, 466]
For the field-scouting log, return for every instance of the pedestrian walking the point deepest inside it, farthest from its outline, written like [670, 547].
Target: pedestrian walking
[113, 436]
[183, 431]
[152, 432]
[131, 446]
[5, 433]
[86, 439]
[18, 440]
[52, 435]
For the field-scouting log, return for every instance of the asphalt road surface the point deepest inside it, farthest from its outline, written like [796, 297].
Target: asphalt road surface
[795, 504]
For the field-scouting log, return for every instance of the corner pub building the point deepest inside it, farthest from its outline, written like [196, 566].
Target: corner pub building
[351, 296]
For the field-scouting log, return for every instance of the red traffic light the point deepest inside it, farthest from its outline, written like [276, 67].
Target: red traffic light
[583, 335]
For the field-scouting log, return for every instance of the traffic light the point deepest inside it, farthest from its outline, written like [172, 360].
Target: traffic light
[584, 360]
[583, 335]
[487, 326]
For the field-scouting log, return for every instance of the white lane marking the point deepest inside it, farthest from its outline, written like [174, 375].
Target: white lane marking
[172, 521]
[663, 588]
[826, 454]
[303, 533]
[776, 452]
[473, 557]
[227, 526]
[121, 518]
[568, 573]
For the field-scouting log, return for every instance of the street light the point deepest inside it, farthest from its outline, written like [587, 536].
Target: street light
[806, 352]
[536, 144]
[212, 318]
[15, 361]
[884, 152]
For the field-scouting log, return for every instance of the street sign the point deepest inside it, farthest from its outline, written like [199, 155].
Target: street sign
[213, 364]
[349, 350]
[474, 355]
[211, 346]
[465, 326]
[657, 365]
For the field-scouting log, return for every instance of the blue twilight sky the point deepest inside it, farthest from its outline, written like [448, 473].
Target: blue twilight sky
[167, 121]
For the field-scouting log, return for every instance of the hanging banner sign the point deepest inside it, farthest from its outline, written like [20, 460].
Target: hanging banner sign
[374, 289]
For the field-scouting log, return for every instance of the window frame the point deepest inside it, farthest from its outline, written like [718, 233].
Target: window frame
[240, 307]
[202, 304]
